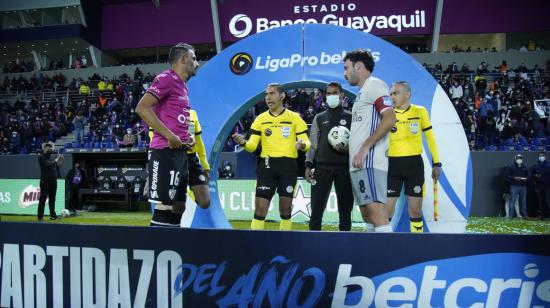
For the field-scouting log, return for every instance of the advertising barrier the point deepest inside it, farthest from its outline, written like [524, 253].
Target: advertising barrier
[21, 197]
[103, 266]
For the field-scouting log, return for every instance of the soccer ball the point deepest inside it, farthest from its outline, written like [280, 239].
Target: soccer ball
[65, 213]
[338, 138]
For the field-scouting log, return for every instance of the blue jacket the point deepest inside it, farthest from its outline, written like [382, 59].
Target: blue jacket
[513, 171]
[541, 174]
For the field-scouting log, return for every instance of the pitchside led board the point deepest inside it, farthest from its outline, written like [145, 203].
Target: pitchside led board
[311, 55]
[21, 196]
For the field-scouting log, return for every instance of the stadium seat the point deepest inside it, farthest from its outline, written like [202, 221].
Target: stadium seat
[537, 141]
[509, 142]
[142, 144]
[69, 145]
[97, 145]
[536, 148]
[76, 145]
[491, 148]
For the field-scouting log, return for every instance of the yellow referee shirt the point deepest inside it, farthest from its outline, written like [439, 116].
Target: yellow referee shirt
[406, 135]
[278, 134]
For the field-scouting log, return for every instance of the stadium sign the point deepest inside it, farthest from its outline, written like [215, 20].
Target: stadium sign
[81, 266]
[22, 196]
[376, 17]
[240, 85]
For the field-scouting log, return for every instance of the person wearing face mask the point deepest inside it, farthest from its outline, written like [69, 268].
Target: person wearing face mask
[331, 166]
[541, 181]
[517, 175]
[48, 179]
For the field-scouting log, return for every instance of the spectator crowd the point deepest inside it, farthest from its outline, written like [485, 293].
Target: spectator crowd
[495, 104]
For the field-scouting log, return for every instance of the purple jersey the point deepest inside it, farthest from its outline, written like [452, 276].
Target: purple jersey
[173, 107]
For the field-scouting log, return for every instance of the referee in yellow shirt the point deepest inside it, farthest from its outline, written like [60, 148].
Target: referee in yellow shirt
[404, 154]
[282, 133]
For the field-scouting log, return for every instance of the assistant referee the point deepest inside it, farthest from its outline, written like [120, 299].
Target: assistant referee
[282, 133]
[405, 154]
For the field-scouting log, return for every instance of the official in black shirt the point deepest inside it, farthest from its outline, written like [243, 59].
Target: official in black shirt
[48, 179]
[331, 166]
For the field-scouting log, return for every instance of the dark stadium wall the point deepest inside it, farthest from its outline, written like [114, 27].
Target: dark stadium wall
[489, 182]
[26, 166]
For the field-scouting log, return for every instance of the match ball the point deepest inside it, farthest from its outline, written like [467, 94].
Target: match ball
[65, 213]
[338, 138]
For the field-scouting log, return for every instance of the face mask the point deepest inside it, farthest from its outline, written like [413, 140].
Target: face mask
[519, 161]
[333, 101]
[542, 159]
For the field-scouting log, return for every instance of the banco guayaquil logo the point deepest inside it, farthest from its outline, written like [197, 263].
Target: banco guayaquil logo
[240, 63]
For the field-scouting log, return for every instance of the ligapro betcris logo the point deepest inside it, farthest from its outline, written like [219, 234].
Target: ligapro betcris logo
[242, 62]
[29, 196]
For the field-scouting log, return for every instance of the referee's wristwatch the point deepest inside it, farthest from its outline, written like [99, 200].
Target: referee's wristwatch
[437, 165]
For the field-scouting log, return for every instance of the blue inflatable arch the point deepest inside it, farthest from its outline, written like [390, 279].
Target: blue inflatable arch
[311, 55]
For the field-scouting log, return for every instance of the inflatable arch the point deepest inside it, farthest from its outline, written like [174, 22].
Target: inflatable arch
[309, 55]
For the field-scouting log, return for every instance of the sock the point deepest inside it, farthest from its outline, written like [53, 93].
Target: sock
[286, 223]
[417, 225]
[386, 228]
[369, 227]
[258, 223]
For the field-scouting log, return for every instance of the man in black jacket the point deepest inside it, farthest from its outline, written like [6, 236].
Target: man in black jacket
[331, 166]
[48, 179]
[517, 175]
[76, 179]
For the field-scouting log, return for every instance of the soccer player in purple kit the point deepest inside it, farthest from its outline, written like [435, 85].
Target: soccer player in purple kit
[165, 108]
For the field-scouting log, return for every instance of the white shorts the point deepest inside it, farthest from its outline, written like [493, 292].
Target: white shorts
[369, 186]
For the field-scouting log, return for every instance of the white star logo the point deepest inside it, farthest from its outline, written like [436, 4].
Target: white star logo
[301, 203]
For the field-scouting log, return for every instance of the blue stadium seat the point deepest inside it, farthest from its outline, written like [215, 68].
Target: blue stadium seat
[142, 144]
[76, 145]
[509, 142]
[68, 146]
[536, 148]
[491, 148]
[537, 141]
[97, 145]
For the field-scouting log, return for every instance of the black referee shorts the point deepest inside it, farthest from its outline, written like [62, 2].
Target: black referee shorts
[408, 170]
[196, 173]
[276, 174]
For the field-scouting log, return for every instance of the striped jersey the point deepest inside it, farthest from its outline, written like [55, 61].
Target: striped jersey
[373, 98]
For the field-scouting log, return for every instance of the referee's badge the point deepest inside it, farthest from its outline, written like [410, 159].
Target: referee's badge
[414, 128]
[267, 132]
[285, 130]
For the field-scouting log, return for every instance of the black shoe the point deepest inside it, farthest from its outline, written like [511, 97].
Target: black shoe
[53, 217]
